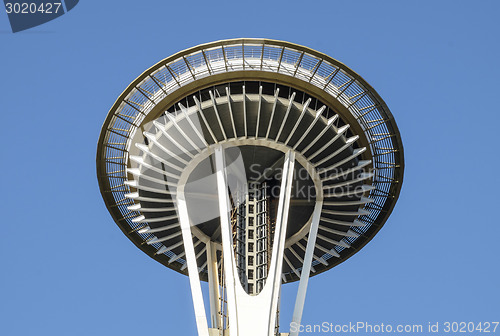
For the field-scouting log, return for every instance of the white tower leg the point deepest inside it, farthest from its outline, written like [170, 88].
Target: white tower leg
[253, 315]
[194, 278]
[227, 242]
[306, 267]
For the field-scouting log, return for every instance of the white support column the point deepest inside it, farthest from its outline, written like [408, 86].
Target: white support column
[253, 315]
[194, 278]
[213, 285]
[276, 266]
[227, 241]
[306, 267]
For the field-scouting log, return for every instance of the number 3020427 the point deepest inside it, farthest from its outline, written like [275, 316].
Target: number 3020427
[33, 8]
[470, 327]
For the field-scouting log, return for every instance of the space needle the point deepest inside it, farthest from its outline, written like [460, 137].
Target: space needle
[249, 164]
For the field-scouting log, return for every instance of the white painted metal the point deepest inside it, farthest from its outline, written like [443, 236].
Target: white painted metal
[162, 239]
[147, 152]
[141, 209]
[320, 134]
[213, 286]
[334, 221]
[194, 277]
[195, 128]
[152, 179]
[258, 113]
[247, 142]
[202, 267]
[363, 200]
[182, 132]
[214, 103]
[340, 132]
[285, 258]
[316, 118]
[290, 104]
[356, 152]
[297, 123]
[361, 177]
[180, 255]
[306, 268]
[216, 65]
[331, 252]
[349, 233]
[299, 258]
[196, 258]
[200, 111]
[321, 260]
[348, 144]
[262, 308]
[162, 129]
[135, 196]
[360, 212]
[334, 242]
[272, 112]
[245, 111]
[253, 315]
[228, 95]
[152, 137]
[358, 190]
[140, 161]
[227, 241]
[361, 164]
[279, 238]
[135, 184]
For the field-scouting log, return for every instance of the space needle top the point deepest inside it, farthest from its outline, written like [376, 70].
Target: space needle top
[199, 163]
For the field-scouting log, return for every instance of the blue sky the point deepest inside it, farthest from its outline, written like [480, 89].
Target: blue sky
[65, 267]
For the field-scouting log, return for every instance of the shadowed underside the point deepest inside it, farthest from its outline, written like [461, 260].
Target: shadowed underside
[251, 95]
